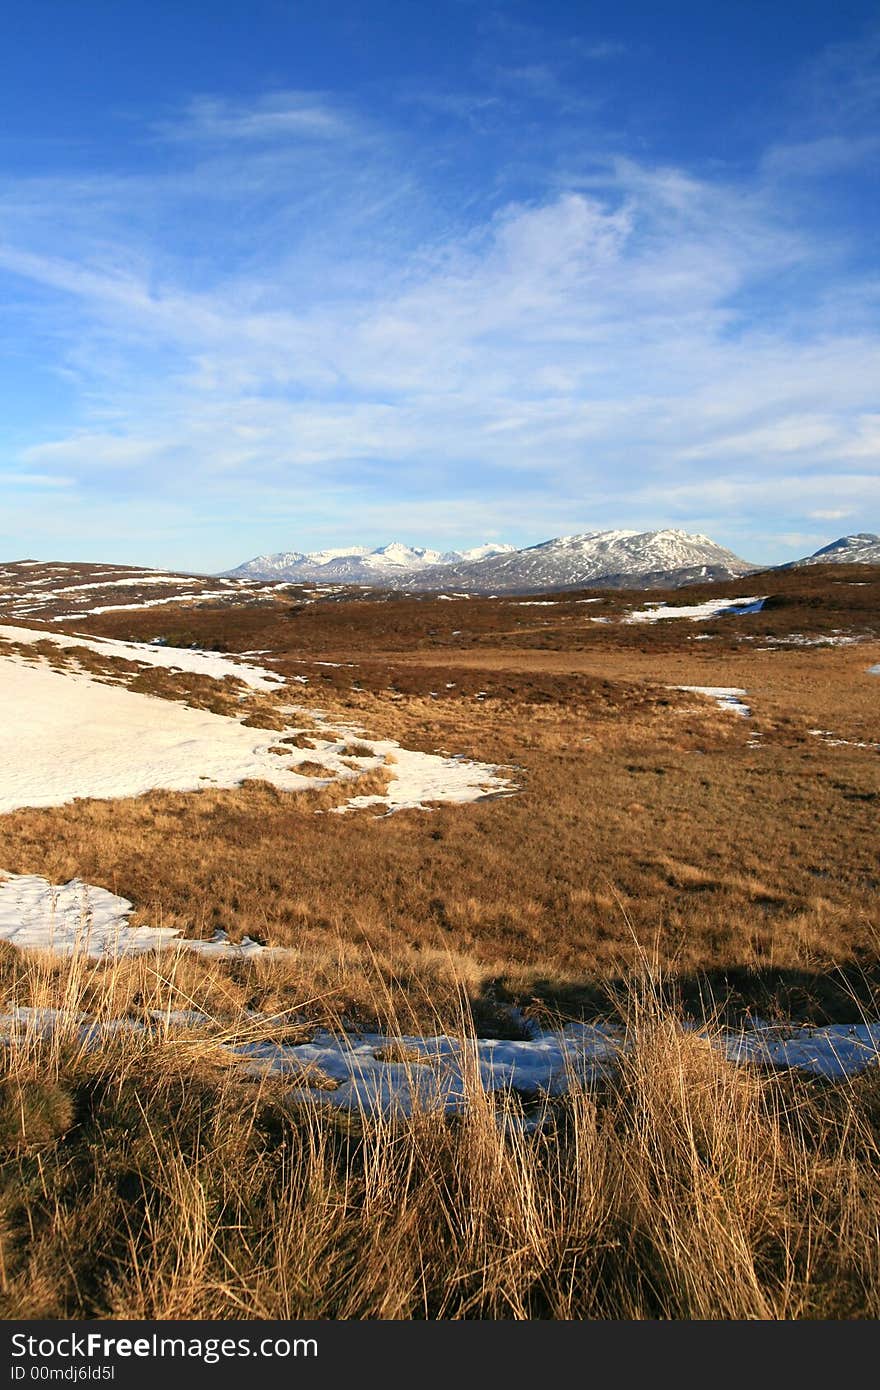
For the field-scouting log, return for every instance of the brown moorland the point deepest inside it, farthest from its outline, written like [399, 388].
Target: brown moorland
[741, 852]
[662, 856]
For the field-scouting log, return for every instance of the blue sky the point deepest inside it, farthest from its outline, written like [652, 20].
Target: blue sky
[286, 275]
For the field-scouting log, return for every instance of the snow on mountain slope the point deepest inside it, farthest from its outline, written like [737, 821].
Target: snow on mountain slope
[478, 552]
[862, 548]
[275, 566]
[401, 557]
[319, 557]
[357, 564]
[573, 562]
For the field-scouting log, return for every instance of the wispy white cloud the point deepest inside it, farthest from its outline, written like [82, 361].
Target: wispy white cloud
[278, 116]
[620, 350]
[829, 154]
[601, 52]
[840, 87]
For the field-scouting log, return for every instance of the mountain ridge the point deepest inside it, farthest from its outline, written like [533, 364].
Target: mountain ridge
[356, 564]
[578, 561]
[617, 558]
[562, 562]
[861, 547]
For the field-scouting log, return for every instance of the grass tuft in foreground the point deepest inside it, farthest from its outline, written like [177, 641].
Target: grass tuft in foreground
[145, 1177]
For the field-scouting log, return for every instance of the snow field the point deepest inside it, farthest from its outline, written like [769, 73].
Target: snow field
[65, 735]
[697, 612]
[76, 918]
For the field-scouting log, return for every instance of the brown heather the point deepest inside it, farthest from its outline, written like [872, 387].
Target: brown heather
[147, 1178]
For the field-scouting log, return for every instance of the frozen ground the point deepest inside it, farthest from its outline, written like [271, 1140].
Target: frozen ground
[198, 663]
[800, 639]
[202, 595]
[377, 1072]
[827, 736]
[64, 735]
[38, 590]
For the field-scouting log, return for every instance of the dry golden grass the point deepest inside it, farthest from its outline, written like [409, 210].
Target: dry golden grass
[644, 815]
[145, 1177]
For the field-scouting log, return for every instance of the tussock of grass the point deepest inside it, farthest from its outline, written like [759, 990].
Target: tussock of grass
[143, 1178]
[312, 769]
[33, 1112]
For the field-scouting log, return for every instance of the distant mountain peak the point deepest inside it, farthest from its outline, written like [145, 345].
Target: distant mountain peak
[564, 562]
[590, 558]
[861, 547]
[859, 540]
[357, 564]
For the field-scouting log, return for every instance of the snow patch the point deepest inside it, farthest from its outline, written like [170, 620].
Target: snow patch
[698, 612]
[378, 1073]
[77, 918]
[196, 662]
[727, 696]
[64, 735]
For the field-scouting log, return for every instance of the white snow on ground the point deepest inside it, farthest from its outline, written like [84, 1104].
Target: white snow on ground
[145, 603]
[77, 918]
[392, 1075]
[108, 585]
[874, 670]
[424, 777]
[727, 696]
[833, 1051]
[830, 738]
[64, 735]
[798, 639]
[436, 1070]
[142, 581]
[199, 663]
[698, 612]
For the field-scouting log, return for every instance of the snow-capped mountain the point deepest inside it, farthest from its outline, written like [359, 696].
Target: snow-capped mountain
[605, 558]
[477, 552]
[863, 548]
[359, 565]
[268, 566]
